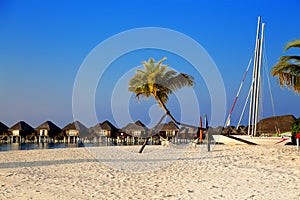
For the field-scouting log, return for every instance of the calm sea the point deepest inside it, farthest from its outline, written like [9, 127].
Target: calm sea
[12, 147]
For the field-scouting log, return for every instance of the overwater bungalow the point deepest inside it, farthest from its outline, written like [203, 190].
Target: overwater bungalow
[47, 132]
[4, 133]
[104, 132]
[76, 132]
[168, 130]
[21, 132]
[133, 133]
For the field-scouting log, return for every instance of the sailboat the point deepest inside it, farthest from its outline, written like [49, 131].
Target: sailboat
[254, 95]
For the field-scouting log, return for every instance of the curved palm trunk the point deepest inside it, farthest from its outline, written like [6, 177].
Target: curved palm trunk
[147, 139]
[172, 117]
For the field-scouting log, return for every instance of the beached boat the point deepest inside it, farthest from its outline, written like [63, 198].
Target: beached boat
[265, 140]
[254, 94]
[222, 139]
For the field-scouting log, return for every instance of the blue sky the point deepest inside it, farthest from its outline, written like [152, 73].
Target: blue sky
[44, 43]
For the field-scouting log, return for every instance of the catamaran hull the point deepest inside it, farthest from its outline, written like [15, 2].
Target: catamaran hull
[265, 140]
[245, 139]
[226, 140]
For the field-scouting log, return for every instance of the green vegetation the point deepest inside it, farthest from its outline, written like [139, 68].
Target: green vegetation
[295, 129]
[158, 81]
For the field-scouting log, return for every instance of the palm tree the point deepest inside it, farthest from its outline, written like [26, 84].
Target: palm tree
[287, 70]
[158, 81]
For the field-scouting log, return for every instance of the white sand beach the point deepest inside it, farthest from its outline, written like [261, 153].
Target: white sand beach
[227, 172]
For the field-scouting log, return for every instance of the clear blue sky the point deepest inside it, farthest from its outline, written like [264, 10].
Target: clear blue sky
[43, 44]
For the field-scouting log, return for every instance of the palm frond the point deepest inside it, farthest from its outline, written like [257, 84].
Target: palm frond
[157, 80]
[180, 81]
[290, 81]
[161, 60]
[167, 76]
[140, 71]
[290, 58]
[285, 67]
[295, 43]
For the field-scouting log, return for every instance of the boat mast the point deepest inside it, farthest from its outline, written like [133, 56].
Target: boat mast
[254, 86]
[256, 76]
[259, 78]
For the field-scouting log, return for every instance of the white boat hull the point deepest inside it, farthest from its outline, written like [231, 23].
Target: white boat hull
[226, 140]
[265, 140]
[253, 140]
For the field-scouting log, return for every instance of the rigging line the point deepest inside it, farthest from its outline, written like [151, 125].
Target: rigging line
[269, 86]
[238, 93]
[244, 108]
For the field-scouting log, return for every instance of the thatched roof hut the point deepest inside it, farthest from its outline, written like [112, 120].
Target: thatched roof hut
[21, 129]
[137, 129]
[105, 128]
[169, 126]
[273, 125]
[48, 128]
[169, 129]
[3, 129]
[107, 125]
[4, 132]
[76, 129]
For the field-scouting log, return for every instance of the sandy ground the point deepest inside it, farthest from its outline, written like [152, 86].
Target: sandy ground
[227, 172]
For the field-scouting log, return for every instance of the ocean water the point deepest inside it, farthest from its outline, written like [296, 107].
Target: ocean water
[27, 146]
